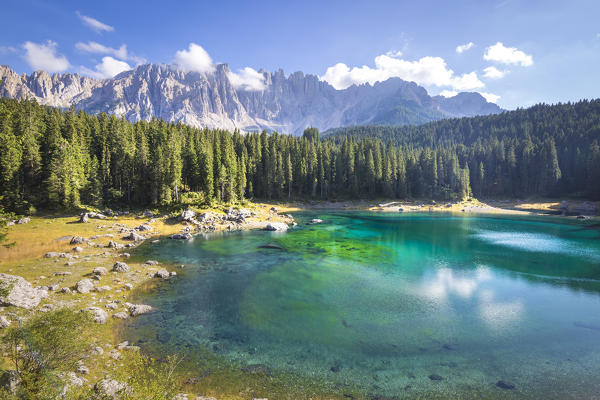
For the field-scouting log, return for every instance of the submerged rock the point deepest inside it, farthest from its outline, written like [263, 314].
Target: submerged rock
[436, 377]
[16, 291]
[273, 246]
[505, 385]
[139, 309]
[261, 369]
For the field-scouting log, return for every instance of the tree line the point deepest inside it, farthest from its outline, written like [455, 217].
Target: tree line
[55, 159]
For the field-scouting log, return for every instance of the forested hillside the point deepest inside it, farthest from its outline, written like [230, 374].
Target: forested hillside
[55, 159]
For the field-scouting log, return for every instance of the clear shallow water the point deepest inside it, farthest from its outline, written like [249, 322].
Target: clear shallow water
[384, 301]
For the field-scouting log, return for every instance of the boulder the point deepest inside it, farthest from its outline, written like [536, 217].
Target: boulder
[121, 315]
[100, 271]
[100, 316]
[182, 236]
[148, 214]
[151, 262]
[23, 220]
[120, 267]
[77, 240]
[144, 227]
[77, 249]
[114, 245]
[134, 237]
[4, 322]
[162, 273]
[101, 289]
[187, 215]
[83, 370]
[16, 291]
[112, 389]
[84, 286]
[84, 218]
[139, 309]
[276, 227]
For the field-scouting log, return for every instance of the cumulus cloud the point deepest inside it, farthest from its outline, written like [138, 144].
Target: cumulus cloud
[45, 57]
[194, 59]
[97, 48]
[428, 71]
[464, 47]
[247, 79]
[507, 55]
[108, 68]
[448, 93]
[394, 53]
[490, 97]
[94, 24]
[494, 73]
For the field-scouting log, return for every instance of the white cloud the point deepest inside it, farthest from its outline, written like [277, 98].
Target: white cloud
[464, 47]
[428, 71]
[490, 97]
[247, 79]
[97, 48]
[394, 53]
[507, 55]
[194, 59]
[494, 73]
[448, 93]
[108, 68]
[94, 24]
[44, 56]
[7, 50]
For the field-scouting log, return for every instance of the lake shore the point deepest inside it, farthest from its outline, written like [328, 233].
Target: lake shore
[47, 254]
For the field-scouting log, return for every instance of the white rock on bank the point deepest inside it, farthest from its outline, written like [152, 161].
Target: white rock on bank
[16, 291]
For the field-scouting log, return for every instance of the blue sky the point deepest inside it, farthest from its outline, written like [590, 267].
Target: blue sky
[522, 52]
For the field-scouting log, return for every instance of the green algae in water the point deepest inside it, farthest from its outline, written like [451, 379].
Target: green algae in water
[379, 303]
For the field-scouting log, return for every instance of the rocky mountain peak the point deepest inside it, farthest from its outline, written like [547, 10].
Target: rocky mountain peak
[287, 104]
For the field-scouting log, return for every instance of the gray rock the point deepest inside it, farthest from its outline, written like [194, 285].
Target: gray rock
[100, 271]
[128, 286]
[151, 262]
[162, 273]
[148, 214]
[112, 389]
[84, 286]
[505, 385]
[77, 240]
[65, 290]
[276, 227]
[63, 273]
[78, 249]
[187, 215]
[182, 236]
[101, 289]
[144, 227]
[139, 309]
[84, 218]
[100, 316]
[4, 322]
[83, 370]
[120, 267]
[23, 220]
[120, 315]
[134, 237]
[16, 291]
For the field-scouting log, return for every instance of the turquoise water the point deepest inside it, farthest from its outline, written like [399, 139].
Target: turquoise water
[390, 303]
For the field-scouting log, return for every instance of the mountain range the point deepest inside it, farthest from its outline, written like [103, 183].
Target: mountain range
[287, 104]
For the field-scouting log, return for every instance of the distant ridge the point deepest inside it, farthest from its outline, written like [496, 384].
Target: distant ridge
[288, 104]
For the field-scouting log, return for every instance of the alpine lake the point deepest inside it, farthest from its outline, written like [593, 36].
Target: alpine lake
[385, 305]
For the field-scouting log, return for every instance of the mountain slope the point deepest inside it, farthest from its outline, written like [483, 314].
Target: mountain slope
[288, 104]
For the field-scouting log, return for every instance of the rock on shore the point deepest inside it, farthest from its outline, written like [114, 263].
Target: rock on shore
[16, 291]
